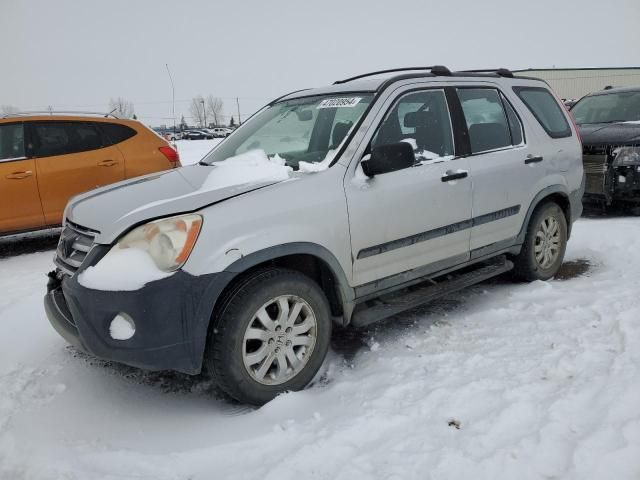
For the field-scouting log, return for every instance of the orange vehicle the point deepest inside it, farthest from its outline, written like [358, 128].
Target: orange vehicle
[47, 159]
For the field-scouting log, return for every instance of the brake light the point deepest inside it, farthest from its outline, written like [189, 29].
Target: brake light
[171, 154]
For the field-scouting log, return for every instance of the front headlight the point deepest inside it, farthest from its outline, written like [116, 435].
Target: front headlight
[168, 241]
[626, 156]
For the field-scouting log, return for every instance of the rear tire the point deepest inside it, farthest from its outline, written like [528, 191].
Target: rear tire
[544, 245]
[271, 336]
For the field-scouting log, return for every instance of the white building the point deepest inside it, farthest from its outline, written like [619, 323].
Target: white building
[573, 83]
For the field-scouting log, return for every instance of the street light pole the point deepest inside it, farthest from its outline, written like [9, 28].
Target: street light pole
[173, 99]
[204, 114]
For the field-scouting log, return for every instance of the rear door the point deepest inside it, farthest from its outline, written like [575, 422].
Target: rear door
[20, 207]
[505, 169]
[71, 157]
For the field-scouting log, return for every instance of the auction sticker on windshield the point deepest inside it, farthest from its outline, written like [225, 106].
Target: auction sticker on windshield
[339, 102]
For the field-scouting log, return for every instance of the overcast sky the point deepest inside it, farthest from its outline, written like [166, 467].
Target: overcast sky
[76, 54]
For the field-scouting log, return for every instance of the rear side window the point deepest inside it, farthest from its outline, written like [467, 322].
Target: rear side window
[546, 110]
[11, 141]
[87, 137]
[51, 139]
[62, 138]
[116, 133]
[486, 119]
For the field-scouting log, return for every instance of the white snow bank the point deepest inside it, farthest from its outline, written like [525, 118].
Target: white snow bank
[122, 270]
[250, 167]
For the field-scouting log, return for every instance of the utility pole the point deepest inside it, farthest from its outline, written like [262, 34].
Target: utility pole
[173, 99]
[238, 105]
[204, 114]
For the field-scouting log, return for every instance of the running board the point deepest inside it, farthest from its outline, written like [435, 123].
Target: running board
[395, 303]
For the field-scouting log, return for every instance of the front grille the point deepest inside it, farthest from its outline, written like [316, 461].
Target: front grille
[595, 169]
[74, 245]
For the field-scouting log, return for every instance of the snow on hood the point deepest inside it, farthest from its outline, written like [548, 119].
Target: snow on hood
[250, 167]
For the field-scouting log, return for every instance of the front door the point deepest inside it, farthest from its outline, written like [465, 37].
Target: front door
[20, 207]
[71, 158]
[411, 218]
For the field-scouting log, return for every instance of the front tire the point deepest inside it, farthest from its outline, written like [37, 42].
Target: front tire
[544, 246]
[271, 336]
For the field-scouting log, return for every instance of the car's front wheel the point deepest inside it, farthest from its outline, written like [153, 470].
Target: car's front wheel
[544, 245]
[270, 335]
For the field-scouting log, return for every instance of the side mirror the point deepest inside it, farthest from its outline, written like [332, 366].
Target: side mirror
[389, 158]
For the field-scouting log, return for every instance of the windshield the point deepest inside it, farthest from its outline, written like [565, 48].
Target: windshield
[611, 107]
[308, 130]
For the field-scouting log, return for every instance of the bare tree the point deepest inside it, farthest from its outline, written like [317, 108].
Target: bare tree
[214, 109]
[197, 110]
[121, 107]
[8, 109]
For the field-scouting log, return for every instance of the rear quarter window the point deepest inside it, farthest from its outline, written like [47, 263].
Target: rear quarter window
[116, 133]
[545, 108]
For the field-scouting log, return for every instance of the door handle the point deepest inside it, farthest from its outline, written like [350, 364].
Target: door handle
[19, 175]
[532, 159]
[451, 175]
[107, 163]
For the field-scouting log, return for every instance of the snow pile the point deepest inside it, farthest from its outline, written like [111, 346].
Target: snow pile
[122, 269]
[250, 167]
[314, 167]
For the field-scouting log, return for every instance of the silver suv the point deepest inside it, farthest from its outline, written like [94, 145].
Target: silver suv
[339, 205]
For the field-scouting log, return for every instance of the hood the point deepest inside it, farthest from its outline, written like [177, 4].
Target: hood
[114, 208]
[609, 133]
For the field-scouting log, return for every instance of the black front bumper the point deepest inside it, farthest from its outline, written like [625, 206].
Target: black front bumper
[171, 319]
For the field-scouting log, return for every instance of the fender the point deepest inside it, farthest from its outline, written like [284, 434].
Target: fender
[295, 248]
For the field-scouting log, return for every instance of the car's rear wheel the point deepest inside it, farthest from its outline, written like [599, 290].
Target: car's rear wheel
[271, 336]
[544, 246]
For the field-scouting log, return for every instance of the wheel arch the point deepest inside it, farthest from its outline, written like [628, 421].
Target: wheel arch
[554, 193]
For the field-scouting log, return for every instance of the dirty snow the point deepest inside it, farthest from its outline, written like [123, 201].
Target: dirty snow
[502, 381]
[107, 274]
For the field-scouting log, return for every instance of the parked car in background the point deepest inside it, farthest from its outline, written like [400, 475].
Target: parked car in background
[172, 136]
[407, 187]
[609, 123]
[47, 159]
[196, 135]
[221, 132]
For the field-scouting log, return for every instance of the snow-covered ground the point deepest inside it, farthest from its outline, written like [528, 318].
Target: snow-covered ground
[192, 151]
[503, 381]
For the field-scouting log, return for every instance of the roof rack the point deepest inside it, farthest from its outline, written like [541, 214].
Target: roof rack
[503, 72]
[438, 70]
[57, 112]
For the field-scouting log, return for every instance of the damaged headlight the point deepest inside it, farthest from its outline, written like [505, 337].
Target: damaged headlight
[168, 241]
[626, 157]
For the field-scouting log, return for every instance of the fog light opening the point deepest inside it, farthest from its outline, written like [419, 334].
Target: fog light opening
[122, 327]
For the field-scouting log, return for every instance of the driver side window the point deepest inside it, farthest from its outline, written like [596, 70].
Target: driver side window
[422, 120]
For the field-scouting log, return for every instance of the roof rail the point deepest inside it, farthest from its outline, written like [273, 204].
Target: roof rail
[503, 72]
[56, 112]
[439, 70]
